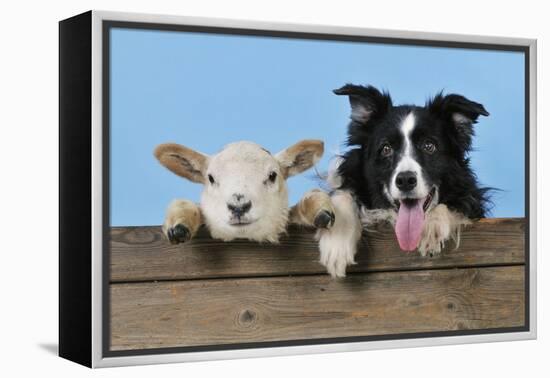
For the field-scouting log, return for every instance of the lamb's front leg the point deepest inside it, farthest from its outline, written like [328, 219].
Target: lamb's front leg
[314, 209]
[183, 219]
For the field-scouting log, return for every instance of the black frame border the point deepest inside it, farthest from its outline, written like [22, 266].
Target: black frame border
[75, 189]
[108, 25]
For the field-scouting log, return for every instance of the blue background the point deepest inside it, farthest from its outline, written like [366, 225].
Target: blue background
[206, 90]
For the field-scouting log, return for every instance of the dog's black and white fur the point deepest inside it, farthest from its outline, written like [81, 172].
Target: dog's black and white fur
[408, 165]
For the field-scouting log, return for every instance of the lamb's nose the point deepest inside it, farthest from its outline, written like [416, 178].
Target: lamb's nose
[239, 210]
[406, 181]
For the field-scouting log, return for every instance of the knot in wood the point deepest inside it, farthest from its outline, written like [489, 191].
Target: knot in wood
[247, 318]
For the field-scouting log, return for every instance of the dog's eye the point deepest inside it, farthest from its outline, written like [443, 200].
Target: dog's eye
[211, 179]
[272, 176]
[386, 150]
[429, 146]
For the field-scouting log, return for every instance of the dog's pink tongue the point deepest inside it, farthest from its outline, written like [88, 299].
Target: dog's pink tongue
[409, 224]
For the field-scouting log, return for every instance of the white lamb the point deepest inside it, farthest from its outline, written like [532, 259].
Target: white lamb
[245, 194]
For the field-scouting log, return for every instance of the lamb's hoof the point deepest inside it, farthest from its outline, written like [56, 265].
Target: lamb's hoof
[325, 219]
[178, 234]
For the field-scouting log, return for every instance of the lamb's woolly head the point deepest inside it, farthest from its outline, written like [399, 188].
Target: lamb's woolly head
[245, 193]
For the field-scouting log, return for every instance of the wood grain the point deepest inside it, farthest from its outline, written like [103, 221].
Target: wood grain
[142, 253]
[200, 312]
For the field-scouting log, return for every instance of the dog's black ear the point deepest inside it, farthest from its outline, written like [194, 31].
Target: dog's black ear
[458, 108]
[366, 102]
[459, 111]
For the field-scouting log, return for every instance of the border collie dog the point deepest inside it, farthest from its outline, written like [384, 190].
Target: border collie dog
[408, 165]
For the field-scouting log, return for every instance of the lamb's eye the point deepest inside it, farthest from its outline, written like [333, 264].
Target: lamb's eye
[386, 150]
[211, 179]
[272, 176]
[429, 146]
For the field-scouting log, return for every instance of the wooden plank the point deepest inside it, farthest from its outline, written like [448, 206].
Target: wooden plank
[227, 311]
[142, 253]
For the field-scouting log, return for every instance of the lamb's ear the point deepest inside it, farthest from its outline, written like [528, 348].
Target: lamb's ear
[300, 156]
[183, 161]
[461, 112]
[366, 102]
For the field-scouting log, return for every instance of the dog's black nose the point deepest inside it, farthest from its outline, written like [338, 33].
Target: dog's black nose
[239, 210]
[406, 181]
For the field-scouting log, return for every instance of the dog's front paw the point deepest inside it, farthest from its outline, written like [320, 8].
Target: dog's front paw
[336, 261]
[441, 225]
[178, 234]
[338, 244]
[324, 219]
[431, 249]
[433, 239]
[337, 251]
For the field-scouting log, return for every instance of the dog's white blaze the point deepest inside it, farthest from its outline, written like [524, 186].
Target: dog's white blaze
[408, 126]
[408, 163]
